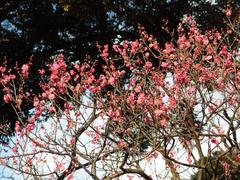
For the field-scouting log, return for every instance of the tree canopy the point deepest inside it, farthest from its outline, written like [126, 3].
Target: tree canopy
[152, 112]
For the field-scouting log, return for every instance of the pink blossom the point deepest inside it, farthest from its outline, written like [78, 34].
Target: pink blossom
[17, 126]
[35, 101]
[137, 89]
[134, 46]
[51, 109]
[172, 154]
[19, 101]
[32, 120]
[51, 96]
[223, 51]
[164, 108]
[129, 131]
[8, 98]
[41, 71]
[172, 102]
[158, 113]
[150, 101]
[197, 38]
[30, 127]
[228, 12]
[147, 54]
[111, 112]
[221, 131]
[218, 35]
[2, 69]
[148, 64]
[208, 58]
[124, 45]
[91, 79]
[164, 65]
[29, 161]
[205, 40]
[59, 167]
[168, 48]
[14, 149]
[141, 98]
[215, 141]
[238, 76]
[181, 76]
[69, 123]
[130, 98]
[25, 69]
[68, 106]
[96, 138]
[115, 47]
[163, 122]
[111, 80]
[54, 78]
[202, 79]
[72, 72]
[158, 101]
[105, 51]
[117, 113]
[121, 144]
[182, 39]
[130, 177]
[189, 159]
[238, 158]
[70, 177]
[191, 89]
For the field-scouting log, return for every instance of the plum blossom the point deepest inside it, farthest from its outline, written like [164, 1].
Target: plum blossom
[141, 98]
[111, 80]
[163, 122]
[8, 98]
[25, 69]
[158, 113]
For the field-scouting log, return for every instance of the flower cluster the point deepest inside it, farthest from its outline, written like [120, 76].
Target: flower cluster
[147, 99]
